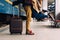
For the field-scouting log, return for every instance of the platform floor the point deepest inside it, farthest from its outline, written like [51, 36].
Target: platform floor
[41, 30]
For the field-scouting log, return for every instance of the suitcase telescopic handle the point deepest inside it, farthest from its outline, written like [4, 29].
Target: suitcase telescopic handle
[17, 12]
[13, 11]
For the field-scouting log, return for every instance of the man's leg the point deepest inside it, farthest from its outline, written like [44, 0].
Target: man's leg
[29, 14]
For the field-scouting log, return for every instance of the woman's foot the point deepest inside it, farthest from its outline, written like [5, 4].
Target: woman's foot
[29, 33]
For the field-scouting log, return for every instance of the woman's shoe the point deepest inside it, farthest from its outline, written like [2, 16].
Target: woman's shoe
[29, 33]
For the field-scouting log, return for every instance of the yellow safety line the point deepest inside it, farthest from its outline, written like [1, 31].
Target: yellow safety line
[10, 2]
[16, 6]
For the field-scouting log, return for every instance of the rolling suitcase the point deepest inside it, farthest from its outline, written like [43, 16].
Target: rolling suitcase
[16, 25]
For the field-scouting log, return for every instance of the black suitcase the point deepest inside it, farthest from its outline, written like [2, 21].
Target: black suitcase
[16, 25]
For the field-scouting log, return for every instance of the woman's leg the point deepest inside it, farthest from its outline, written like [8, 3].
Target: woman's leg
[28, 13]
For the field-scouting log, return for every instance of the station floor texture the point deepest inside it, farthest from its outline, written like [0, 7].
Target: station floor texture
[41, 30]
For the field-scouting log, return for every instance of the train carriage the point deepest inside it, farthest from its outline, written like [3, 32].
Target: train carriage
[6, 11]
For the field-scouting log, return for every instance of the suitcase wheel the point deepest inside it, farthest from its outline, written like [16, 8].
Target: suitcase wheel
[20, 32]
[11, 33]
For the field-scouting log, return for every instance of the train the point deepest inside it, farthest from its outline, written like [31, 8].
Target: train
[6, 11]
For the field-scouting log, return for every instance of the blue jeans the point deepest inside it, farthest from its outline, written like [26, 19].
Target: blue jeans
[37, 15]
